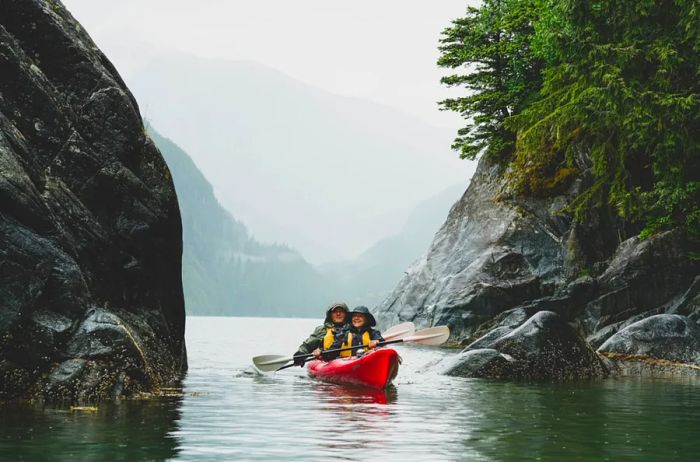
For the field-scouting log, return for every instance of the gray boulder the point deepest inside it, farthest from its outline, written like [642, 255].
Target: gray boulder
[551, 349]
[665, 336]
[479, 363]
[543, 348]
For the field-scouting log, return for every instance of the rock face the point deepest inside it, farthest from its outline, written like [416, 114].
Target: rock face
[487, 257]
[91, 301]
[498, 261]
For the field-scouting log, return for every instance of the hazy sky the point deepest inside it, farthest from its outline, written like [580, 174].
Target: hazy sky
[378, 50]
[382, 50]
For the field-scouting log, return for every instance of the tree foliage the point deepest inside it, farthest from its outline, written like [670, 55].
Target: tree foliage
[491, 48]
[619, 98]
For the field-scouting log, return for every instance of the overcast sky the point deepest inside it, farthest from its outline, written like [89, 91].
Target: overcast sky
[383, 51]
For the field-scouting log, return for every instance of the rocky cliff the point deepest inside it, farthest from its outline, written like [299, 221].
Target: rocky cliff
[91, 301]
[506, 271]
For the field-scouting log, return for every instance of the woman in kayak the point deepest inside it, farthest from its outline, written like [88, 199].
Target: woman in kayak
[359, 333]
[334, 327]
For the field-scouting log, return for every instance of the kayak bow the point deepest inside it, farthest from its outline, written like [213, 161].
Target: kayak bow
[375, 369]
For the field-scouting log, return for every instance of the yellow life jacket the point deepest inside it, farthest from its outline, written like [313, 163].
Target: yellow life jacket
[328, 339]
[348, 343]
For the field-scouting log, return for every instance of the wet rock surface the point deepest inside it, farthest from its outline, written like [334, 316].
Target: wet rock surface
[91, 302]
[664, 336]
[543, 348]
[499, 261]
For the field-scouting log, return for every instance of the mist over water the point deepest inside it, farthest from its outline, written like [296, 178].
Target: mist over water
[228, 412]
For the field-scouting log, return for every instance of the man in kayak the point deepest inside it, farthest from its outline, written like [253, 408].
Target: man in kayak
[334, 326]
[359, 333]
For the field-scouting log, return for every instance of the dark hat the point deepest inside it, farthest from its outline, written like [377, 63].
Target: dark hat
[364, 310]
[333, 306]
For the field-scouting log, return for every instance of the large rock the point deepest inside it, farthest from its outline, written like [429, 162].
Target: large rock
[665, 336]
[479, 363]
[643, 275]
[488, 257]
[499, 259]
[542, 348]
[91, 299]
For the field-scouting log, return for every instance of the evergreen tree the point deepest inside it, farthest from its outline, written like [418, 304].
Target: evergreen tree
[491, 45]
[621, 98]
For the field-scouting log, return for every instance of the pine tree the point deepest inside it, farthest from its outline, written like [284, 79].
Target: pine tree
[622, 84]
[491, 46]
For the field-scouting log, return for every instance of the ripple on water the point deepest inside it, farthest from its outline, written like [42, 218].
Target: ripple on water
[227, 412]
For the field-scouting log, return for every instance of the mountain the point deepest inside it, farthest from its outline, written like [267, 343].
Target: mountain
[225, 270]
[367, 279]
[298, 165]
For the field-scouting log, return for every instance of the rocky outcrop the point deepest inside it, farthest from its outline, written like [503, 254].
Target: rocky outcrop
[663, 336]
[500, 260]
[488, 257]
[91, 301]
[542, 348]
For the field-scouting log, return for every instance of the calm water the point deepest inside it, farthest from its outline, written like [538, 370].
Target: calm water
[229, 413]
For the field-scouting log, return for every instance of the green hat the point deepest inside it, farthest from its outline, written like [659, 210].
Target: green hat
[368, 316]
[333, 306]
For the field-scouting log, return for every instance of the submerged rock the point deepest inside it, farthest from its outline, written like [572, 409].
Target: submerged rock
[91, 301]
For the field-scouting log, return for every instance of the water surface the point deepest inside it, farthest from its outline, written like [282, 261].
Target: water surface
[227, 412]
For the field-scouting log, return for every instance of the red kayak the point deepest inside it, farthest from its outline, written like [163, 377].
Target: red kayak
[375, 369]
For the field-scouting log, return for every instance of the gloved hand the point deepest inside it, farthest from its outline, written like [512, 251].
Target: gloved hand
[298, 359]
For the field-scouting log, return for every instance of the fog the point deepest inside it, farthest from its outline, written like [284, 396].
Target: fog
[320, 128]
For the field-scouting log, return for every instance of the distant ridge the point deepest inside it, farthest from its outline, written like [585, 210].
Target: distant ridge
[225, 270]
[323, 173]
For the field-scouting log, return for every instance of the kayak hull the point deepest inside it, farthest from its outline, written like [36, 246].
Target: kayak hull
[375, 369]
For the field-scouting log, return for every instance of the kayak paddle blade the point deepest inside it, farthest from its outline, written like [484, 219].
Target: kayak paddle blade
[399, 331]
[270, 363]
[430, 336]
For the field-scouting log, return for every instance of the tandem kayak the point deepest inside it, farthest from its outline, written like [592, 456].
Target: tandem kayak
[375, 369]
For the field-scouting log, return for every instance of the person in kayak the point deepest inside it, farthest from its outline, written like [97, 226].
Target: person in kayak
[360, 332]
[334, 326]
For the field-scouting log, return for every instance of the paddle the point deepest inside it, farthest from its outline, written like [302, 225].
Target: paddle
[430, 336]
[273, 362]
[399, 330]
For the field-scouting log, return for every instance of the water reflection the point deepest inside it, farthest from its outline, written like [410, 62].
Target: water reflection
[229, 413]
[609, 420]
[350, 398]
[119, 431]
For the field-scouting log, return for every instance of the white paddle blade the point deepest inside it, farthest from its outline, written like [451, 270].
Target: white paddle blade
[399, 331]
[270, 363]
[430, 336]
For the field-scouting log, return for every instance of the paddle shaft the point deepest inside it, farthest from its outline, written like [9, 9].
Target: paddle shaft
[337, 350]
[430, 336]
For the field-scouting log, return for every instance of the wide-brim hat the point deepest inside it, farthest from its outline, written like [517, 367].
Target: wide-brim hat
[333, 306]
[364, 310]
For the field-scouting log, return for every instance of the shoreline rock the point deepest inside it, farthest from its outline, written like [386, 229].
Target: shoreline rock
[91, 303]
[498, 261]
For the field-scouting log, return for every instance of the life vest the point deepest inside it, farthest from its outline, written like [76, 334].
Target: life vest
[348, 343]
[329, 338]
